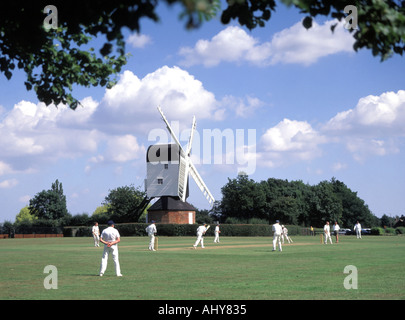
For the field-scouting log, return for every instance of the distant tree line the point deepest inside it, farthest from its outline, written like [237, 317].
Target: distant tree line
[292, 202]
[243, 201]
[47, 210]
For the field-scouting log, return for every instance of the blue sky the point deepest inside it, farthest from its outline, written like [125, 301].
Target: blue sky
[293, 104]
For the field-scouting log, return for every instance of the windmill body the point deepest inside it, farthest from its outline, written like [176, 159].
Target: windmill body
[163, 166]
[168, 169]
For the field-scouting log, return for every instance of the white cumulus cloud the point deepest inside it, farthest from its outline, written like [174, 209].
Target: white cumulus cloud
[384, 113]
[33, 134]
[7, 184]
[373, 127]
[292, 45]
[138, 40]
[301, 46]
[289, 140]
[131, 105]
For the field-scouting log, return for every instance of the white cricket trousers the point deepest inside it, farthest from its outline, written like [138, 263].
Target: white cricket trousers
[277, 239]
[96, 240]
[200, 238]
[113, 250]
[327, 236]
[216, 240]
[152, 242]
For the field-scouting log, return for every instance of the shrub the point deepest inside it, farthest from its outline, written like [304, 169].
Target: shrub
[38, 226]
[400, 230]
[377, 231]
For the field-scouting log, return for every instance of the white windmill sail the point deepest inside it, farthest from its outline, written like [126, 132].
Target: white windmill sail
[183, 177]
[183, 163]
[170, 129]
[190, 140]
[200, 183]
[186, 167]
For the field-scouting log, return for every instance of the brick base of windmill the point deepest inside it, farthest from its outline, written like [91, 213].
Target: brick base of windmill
[171, 210]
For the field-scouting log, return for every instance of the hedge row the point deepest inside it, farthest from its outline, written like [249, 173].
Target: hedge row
[177, 230]
[387, 231]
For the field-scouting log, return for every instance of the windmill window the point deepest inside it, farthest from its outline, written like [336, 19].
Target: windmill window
[160, 181]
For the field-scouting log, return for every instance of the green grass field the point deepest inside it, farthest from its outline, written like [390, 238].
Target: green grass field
[236, 269]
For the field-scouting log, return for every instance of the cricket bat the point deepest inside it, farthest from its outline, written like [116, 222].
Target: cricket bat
[156, 243]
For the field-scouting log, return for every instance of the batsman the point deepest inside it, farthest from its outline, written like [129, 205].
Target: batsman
[151, 230]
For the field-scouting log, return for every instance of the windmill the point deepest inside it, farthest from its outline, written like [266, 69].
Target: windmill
[168, 169]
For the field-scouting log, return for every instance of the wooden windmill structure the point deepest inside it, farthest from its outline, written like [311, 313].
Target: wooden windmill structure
[168, 169]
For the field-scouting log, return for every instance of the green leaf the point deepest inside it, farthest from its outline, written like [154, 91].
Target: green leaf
[307, 22]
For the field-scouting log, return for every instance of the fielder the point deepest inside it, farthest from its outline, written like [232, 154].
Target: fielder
[285, 234]
[201, 230]
[277, 231]
[151, 231]
[326, 230]
[96, 234]
[357, 227]
[217, 232]
[110, 237]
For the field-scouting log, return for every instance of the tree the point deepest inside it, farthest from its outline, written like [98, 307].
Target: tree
[49, 204]
[325, 205]
[380, 24]
[25, 216]
[100, 214]
[284, 209]
[243, 198]
[287, 199]
[353, 208]
[56, 59]
[387, 221]
[122, 203]
[216, 212]
[53, 58]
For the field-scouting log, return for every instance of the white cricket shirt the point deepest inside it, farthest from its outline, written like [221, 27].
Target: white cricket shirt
[110, 234]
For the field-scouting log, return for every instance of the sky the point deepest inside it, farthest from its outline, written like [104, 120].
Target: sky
[275, 102]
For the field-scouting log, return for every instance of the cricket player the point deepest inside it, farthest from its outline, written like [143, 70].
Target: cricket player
[216, 232]
[336, 229]
[201, 230]
[151, 231]
[285, 234]
[326, 230]
[110, 237]
[357, 227]
[96, 234]
[277, 231]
